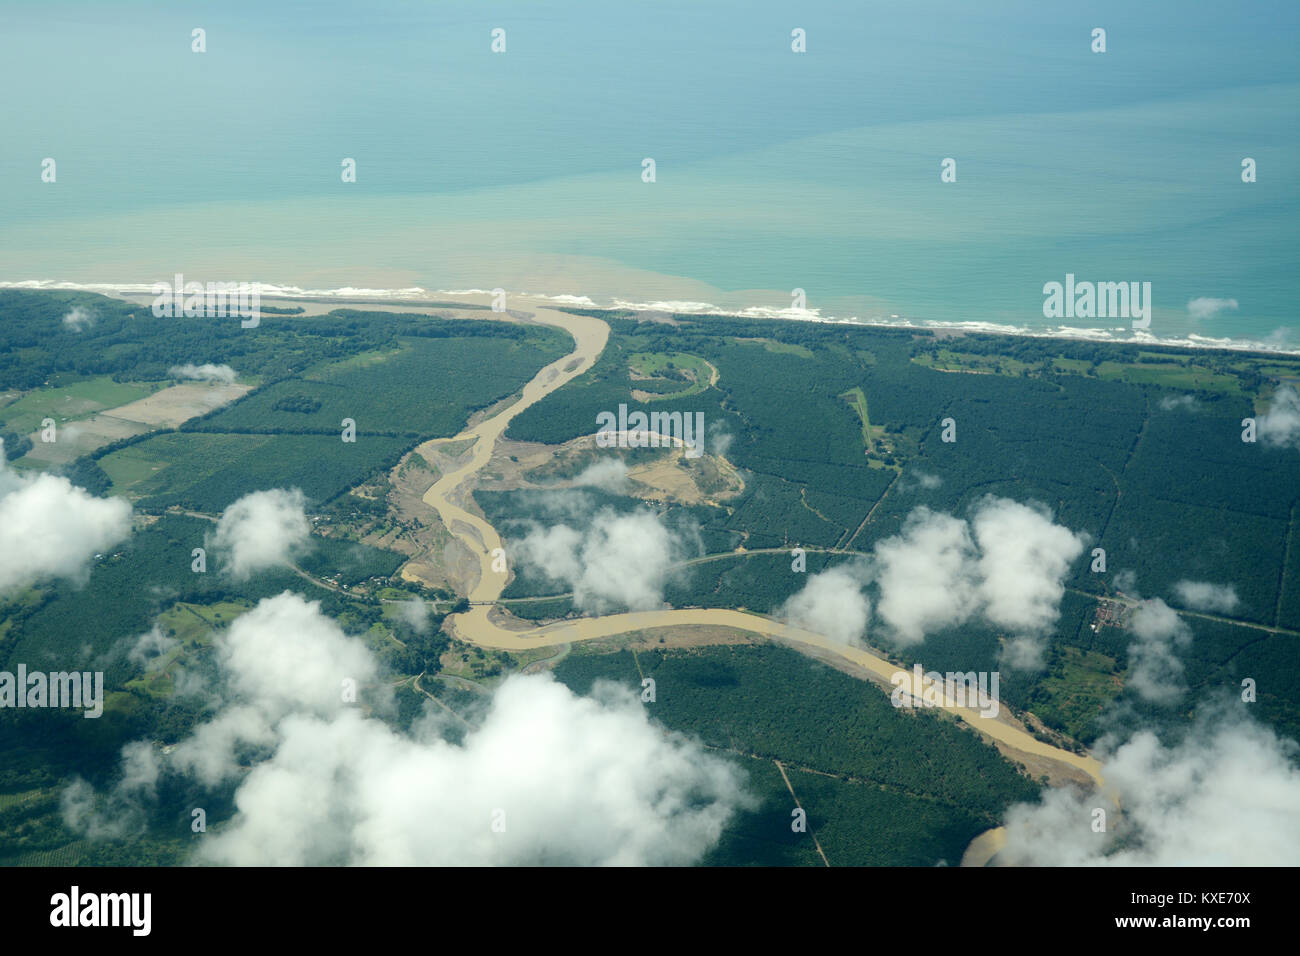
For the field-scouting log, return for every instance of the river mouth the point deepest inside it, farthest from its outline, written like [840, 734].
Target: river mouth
[478, 625]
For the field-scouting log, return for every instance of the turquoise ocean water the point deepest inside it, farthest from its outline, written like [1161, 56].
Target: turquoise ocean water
[775, 170]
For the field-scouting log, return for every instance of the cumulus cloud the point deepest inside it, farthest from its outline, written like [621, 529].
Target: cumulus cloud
[150, 648]
[152, 651]
[415, 613]
[1007, 565]
[1206, 307]
[79, 319]
[1184, 402]
[720, 439]
[566, 780]
[1225, 795]
[832, 604]
[548, 777]
[926, 480]
[51, 528]
[204, 373]
[1125, 580]
[608, 474]
[1280, 425]
[121, 811]
[1024, 558]
[262, 530]
[1207, 596]
[926, 575]
[289, 657]
[1155, 672]
[616, 560]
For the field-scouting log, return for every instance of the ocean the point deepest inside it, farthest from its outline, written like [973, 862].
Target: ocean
[774, 170]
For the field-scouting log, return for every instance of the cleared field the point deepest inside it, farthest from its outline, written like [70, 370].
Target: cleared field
[166, 408]
[76, 438]
[660, 375]
[858, 402]
[1079, 690]
[1187, 378]
[170, 407]
[1158, 370]
[65, 403]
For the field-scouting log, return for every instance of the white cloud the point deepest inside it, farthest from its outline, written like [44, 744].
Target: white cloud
[831, 603]
[926, 575]
[289, 657]
[573, 781]
[1023, 652]
[1228, 794]
[1207, 596]
[204, 373]
[1184, 402]
[281, 658]
[1024, 558]
[120, 813]
[150, 648]
[262, 530]
[608, 474]
[577, 781]
[617, 560]
[1205, 307]
[415, 613]
[79, 319]
[720, 439]
[51, 528]
[1008, 565]
[1155, 672]
[1280, 425]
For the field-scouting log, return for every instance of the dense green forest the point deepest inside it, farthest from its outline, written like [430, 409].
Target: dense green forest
[1156, 475]
[129, 343]
[837, 435]
[881, 786]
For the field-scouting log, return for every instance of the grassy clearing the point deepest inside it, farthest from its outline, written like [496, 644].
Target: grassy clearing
[947, 360]
[1182, 373]
[191, 626]
[670, 368]
[128, 468]
[1085, 684]
[65, 403]
[857, 400]
[1185, 378]
[788, 348]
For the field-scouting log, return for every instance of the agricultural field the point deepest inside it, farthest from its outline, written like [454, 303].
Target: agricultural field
[68, 400]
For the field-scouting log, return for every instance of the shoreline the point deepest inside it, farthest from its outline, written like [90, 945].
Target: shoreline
[418, 297]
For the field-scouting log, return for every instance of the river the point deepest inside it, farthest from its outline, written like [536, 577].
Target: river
[483, 624]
